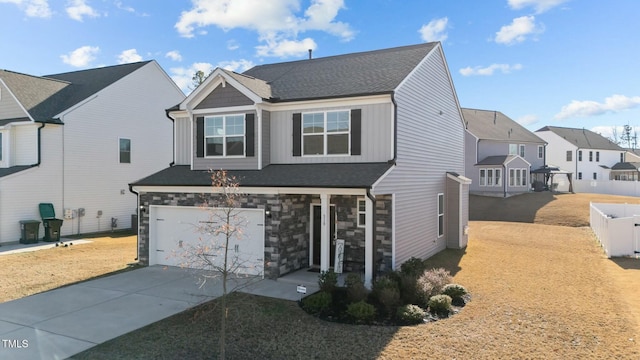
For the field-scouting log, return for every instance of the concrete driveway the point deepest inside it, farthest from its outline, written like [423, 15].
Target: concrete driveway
[65, 321]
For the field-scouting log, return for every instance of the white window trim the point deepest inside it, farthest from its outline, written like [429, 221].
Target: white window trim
[120, 152]
[224, 137]
[440, 214]
[496, 180]
[364, 212]
[522, 150]
[540, 151]
[522, 173]
[513, 149]
[4, 159]
[325, 134]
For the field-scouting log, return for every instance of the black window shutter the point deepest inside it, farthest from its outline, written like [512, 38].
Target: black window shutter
[356, 130]
[297, 133]
[200, 136]
[250, 134]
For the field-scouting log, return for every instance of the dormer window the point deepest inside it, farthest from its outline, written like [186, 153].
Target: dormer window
[224, 135]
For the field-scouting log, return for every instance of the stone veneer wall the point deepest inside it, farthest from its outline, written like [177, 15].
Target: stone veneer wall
[347, 229]
[286, 229]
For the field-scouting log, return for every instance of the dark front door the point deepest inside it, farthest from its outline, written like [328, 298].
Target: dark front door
[317, 228]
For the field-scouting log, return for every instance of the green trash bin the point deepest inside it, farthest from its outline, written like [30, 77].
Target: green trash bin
[51, 224]
[29, 230]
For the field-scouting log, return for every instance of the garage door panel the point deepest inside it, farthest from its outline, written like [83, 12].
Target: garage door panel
[182, 229]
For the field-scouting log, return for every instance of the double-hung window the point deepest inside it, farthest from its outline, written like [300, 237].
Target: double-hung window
[440, 215]
[125, 151]
[483, 177]
[326, 133]
[590, 155]
[362, 211]
[517, 177]
[540, 151]
[490, 177]
[597, 156]
[579, 155]
[569, 157]
[513, 149]
[521, 147]
[224, 135]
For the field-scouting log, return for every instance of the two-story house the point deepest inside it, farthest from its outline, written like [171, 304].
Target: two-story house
[589, 156]
[365, 148]
[76, 140]
[500, 153]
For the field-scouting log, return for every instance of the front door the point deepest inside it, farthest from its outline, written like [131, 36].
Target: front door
[317, 226]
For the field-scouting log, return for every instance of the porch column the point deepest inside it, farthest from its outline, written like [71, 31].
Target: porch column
[325, 262]
[369, 237]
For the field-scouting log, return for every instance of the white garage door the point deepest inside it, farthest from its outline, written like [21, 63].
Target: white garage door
[174, 230]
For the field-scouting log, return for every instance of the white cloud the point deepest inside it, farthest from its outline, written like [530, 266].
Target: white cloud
[286, 48]
[527, 120]
[183, 76]
[489, 70]
[277, 22]
[78, 9]
[124, 7]
[435, 30]
[129, 56]
[32, 8]
[232, 45]
[518, 30]
[81, 56]
[238, 66]
[540, 6]
[587, 108]
[174, 55]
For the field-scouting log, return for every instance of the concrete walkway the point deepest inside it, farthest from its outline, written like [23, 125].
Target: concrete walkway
[65, 321]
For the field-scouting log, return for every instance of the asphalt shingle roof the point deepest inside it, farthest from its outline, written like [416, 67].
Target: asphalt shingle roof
[494, 125]
[583, 138]
[359, 175]
[626, 166]
[47, 96]
[496, 160]
[364, 73]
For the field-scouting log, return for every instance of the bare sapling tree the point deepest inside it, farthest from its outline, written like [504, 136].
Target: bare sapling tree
[218, 254]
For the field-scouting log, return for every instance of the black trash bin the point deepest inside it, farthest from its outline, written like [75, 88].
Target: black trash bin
[51, 224]
[29, 231]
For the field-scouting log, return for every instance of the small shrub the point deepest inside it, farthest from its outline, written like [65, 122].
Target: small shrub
[411, 314]
[409, 289]
[384, 282]
[413, 267]
[454, 290]
[328, 280]
[431, 283]
[440, 304]
[317, 303]
[361, 312]
[356, 291]
[389, 298]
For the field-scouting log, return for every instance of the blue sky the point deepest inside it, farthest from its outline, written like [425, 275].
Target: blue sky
[572, 63]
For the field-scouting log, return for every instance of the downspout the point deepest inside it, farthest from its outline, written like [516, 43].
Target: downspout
[39, 145]
[139, 210]
[173, 139]
[504, 182]
[395, 130]
[373, 235]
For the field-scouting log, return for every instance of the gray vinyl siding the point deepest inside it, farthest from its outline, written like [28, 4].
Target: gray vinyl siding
[493, 147]
[266, 138]
[233, 163]
[9, 107]
[430, 144]
[224, 97]
[182, 141]
[375, 135]
[470, 158]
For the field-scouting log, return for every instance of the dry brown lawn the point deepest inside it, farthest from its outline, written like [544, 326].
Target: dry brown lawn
[539, 291]
[32, 272]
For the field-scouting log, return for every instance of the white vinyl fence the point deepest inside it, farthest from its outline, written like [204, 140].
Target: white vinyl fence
[611, 187]
[616, 229]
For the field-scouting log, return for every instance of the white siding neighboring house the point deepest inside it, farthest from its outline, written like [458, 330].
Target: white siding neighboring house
[366, 147]
[500, 153]
[585, 154]
[61, 138]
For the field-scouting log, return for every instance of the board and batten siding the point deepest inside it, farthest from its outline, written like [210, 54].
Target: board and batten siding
[266, 138]
[375, 136]
[224, 96]
[94, 179]
[20, 193]
[182, 138]
[9, 107]
[430, 144]
[227, 163]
